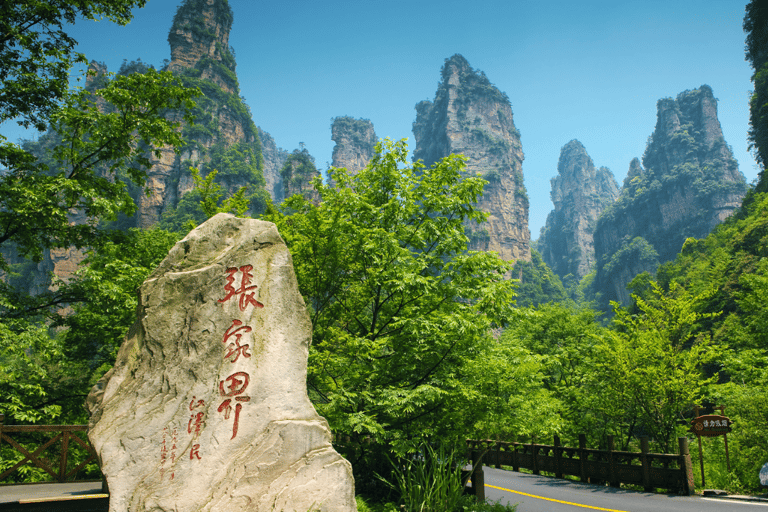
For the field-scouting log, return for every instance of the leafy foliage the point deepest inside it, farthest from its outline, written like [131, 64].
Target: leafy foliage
[657, 362]
[98, 146]
[298, 172]
[538, 284]
[36, 54]
[731, 262]
[97, 141]
[397, 303]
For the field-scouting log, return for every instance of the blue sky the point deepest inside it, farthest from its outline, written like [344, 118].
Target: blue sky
[588, 70]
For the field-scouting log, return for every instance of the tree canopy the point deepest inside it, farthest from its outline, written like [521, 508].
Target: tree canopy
[398, 304]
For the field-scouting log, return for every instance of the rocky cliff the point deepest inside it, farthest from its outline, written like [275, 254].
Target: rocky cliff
[355, 140]
[580, 193]
[472, 117]
[224, 136]
[687, 184]
[274, 159]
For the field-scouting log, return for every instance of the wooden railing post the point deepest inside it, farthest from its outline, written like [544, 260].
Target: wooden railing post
[646, 462]
[478, 477]
[515, 459]
[63, 459]
[613, 477]
[498, 455]
[534, 458]
[685, 467]
[558, 458]
[583, 458]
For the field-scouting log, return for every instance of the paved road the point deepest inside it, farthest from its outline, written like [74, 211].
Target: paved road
[544, 494]
[14, 493]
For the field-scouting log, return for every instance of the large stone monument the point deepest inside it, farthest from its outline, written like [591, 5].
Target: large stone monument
[206, 408]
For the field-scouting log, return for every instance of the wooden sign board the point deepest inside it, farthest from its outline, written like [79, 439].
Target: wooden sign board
[711, 425]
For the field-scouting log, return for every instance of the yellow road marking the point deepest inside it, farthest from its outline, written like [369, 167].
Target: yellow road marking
[63, 498]
[551, 499]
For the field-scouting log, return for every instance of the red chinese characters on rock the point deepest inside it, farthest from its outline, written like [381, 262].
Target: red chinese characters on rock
[232, 389]
[195, 425]
[235, 387]
[246, 290]
[237, 329]
[173, 449]
[163, 453]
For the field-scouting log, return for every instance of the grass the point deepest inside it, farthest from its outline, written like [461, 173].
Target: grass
[430, 482]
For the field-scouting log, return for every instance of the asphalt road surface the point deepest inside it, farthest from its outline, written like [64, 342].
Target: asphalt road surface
[545, 494]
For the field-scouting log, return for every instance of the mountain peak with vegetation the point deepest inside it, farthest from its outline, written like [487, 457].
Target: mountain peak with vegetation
[223, 137]
[199, 38]
[355, 143]
[580, 193]
[472, 117]
[689, 183]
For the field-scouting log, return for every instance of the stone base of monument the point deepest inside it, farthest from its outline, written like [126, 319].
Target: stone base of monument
[206, 408]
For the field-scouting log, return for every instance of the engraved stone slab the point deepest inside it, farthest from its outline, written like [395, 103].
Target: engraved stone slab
[206, 408]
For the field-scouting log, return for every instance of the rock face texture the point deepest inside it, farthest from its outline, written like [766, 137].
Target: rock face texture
[688, 183]
[206, 408]
[274, 159]
[472, 117]
[580, 193]
[355, 140]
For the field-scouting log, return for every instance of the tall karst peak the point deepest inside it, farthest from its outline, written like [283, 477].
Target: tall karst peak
[580, 193]
[224, 137]
[689, 182]
[355, 142]
[199, 40]
[470, 116]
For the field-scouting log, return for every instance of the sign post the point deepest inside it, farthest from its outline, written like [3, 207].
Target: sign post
[711, 425]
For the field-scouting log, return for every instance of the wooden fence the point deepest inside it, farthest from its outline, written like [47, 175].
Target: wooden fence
[63, 436]
[649, 470]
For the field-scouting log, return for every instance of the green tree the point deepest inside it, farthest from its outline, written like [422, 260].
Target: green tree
[507, 390]
[653, 363]
[101, 133]
[565, 341]
[203, 202]
[538, 284]
[37, 55]
[399, 306]
[97, 140]
[108, 279]
[297, 172]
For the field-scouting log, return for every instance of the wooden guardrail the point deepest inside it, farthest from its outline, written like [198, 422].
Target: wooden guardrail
[63, 436]
[646, 469]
